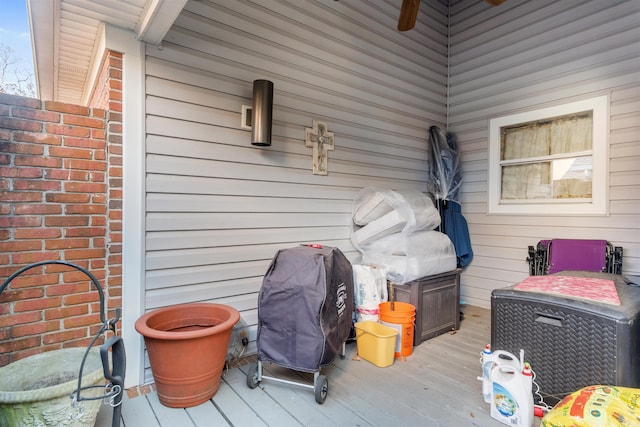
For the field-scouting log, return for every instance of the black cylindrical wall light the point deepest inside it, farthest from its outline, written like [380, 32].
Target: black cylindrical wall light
[261, 112]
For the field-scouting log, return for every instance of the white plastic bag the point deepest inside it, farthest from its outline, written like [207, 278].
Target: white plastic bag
[370, 289]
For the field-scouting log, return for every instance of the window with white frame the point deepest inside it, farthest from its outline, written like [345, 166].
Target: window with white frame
[550, 161]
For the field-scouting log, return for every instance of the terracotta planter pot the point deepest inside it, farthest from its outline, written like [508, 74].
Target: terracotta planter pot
[187, 346]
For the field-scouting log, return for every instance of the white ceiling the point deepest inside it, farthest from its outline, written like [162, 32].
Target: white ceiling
[66, 37]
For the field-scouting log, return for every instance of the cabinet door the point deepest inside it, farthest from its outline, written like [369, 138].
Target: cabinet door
[439, 308]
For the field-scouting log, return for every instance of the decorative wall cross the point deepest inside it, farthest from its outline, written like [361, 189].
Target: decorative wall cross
[321, 140]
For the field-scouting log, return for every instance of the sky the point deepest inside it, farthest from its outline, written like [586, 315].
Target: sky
[14, 31]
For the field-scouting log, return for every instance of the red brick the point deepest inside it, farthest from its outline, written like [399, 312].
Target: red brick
[68, 130]
[92, 142]
[10, 172]
[4, 110]
[68, 198]
[20, 196]
[80, 321]
[75, 153]
[115, 73]
[96, 264]
[5, 134]
[38, 161]
[19, 101]
[84, 298]
[98, 221]
[76, 187]
[66, 221]
[20, 246]
[100, 113]
[115, 116]
[83, 121]
[34, 329]
[85, 165]
[99, 198]
[37, 138]
[85, 209]
[68, 288]
[21, 148]
[60, 313]
[34, 278]
[115, 106]
[27, 258]
[66, 244]
[37, 209]
[40, 185]
[77, 175]
[98, 134]
[37, 304]
[75, 276]
[20, 294]
[18, 124]
[58, 174]
[115, 85]
[37, 233]
[85, 232]
[115, 249]
[20, 221]
[20, 318]
[84, 342]
[115, 171]
[75, 254]
[115, 193]
[96, 176]
[19, 344]
[37, 115]
[66, 108]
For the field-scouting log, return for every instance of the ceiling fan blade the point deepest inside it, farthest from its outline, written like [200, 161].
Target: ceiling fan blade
[408, 14]
[495, 2]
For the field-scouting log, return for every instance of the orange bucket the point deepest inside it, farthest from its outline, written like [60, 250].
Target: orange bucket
[402, 318]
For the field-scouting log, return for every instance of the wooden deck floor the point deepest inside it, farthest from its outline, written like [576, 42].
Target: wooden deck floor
[435, 386]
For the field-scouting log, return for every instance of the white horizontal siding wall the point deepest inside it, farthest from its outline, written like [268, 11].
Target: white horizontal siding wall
[218, 208]
[524, 55]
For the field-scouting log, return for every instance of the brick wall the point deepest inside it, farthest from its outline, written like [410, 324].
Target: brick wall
[60, 199]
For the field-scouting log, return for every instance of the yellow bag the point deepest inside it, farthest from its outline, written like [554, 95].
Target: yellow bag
[596, 406]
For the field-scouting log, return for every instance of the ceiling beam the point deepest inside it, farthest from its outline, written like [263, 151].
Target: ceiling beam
[157, 18]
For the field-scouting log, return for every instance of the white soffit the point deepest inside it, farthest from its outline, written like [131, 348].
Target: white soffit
[66, 35]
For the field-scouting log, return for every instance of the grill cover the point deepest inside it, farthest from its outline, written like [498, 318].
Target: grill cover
[305, 307]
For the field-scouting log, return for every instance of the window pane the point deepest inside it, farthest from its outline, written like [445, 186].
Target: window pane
[523, 142]
[572, 135]
[558, 135]
[558, 179]
[572, 178]
[530, 181]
